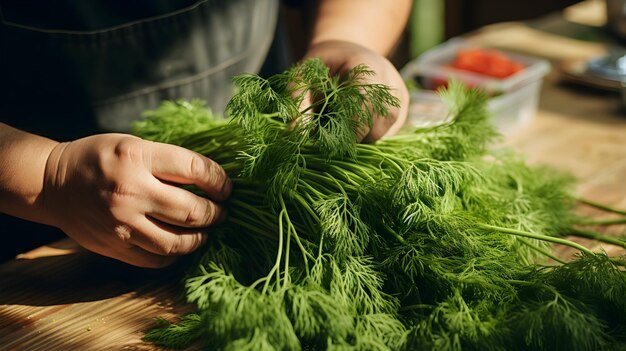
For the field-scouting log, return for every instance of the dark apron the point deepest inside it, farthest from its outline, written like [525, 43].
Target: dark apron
[69, 80]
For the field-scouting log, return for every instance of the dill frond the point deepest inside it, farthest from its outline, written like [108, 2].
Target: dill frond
[427, 240]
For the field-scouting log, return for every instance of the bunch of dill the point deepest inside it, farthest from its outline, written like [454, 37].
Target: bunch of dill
[427, 240]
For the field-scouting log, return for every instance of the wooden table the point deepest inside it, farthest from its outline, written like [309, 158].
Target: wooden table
[62, 298]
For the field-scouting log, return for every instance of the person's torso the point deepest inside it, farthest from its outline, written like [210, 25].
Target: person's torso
[71, 67]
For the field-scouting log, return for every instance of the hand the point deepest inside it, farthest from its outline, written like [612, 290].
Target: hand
[114, 195]
[341, 56]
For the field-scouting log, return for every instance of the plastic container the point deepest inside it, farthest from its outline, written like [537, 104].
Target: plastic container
[513, 102]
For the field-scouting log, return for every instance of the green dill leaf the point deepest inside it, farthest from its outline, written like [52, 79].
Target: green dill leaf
[427, 240]
[176, 335]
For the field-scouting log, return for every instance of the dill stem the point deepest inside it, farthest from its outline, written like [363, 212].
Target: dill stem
[319, 249]
[275, 268]
[305, 253]
[602, 221]
[281, 233]
[520, 282]
[232, 166]
[314, 105]
[541, 251]
[257, 282]
[376, 154]
[336, 181]
[290, 230]
[348, 177]
[251, 216]
[352, 167]
[323, 184]
[326, 181]
[293, 232]
[306, 207]
[264, 217]
[589, 234]
[247, 192]
[251, 228]
[308, 225]
[308, 186]
[394, 234]
[269, 116]
[601, 206]
[538, 237]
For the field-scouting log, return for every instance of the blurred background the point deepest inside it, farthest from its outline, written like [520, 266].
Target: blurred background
[434, 21]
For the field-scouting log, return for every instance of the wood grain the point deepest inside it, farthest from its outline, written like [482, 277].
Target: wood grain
[62, 298]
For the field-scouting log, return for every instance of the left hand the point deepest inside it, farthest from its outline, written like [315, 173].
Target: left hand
[341, 56]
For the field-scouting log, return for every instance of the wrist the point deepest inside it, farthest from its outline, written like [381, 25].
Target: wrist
[374, 24]
[315, 44]
[341, 55]
[23, 158]
[47, 202]
[338, 42]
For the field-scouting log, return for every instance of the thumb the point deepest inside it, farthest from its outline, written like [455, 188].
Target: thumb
[182, 166]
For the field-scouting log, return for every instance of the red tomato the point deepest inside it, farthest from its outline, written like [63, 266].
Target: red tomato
[488, 62]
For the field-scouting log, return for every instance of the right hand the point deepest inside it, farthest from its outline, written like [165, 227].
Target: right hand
[114, 195]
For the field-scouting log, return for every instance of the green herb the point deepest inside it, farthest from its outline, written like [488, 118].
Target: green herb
[428, 240]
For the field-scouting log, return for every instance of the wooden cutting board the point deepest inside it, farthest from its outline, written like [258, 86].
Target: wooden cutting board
[63, 298]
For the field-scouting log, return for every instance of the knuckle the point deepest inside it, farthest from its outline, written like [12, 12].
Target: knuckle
[122, 189]
[184, 245]
[215, 172]
[193, 242]
[195, 215]
[197, 167]
[164, 247]
[201, 214]
[128, 148]
[120, 193]
[212, 213]
[171, 249]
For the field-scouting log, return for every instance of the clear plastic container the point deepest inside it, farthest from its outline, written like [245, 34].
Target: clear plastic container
[514, 99]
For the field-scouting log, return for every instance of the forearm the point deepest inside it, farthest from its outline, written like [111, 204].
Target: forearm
[374, 24]
[23, 158]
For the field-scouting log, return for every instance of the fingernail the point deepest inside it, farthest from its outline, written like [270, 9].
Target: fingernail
[227, 188]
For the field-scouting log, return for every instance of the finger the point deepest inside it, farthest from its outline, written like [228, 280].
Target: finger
[179, 165]
[380, 127]
[306, 107]
[402, 112]
[391, 124]
[182, 208]
[139, 257]
[165, 240]
[306, 99]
